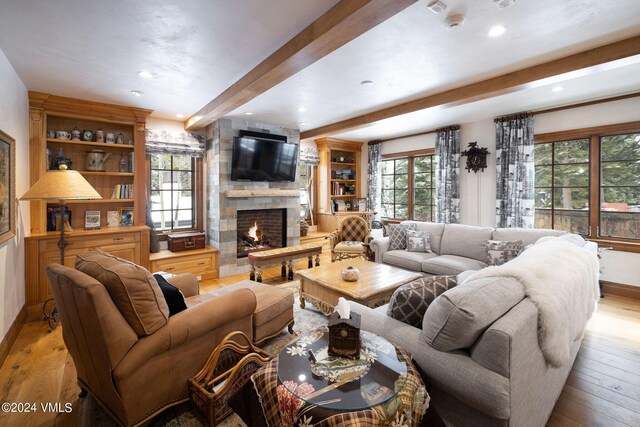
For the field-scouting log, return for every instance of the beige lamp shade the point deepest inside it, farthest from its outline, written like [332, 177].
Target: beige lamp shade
[61, 185]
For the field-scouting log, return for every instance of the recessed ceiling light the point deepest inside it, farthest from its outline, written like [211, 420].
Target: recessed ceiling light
[503, 3]
[301, 109]
[496, 31]
[303, 123]
[180, 116]
[366, 83]
[359, 133]
[137, 92]
[145, 74]
[248, 113]
[557, 89]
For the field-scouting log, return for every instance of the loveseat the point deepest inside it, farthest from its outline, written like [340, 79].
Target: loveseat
[454, 247]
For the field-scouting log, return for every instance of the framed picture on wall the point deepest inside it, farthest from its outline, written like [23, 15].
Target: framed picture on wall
[7, 187]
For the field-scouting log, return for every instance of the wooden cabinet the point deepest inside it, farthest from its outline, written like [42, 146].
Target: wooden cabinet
[130, 243]
[338, 180]
[55, 113]
[201, 262]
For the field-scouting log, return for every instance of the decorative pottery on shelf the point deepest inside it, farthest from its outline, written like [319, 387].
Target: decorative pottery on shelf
[350, 274]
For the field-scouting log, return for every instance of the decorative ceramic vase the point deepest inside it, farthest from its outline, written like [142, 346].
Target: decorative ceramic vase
[51, 134]
[120, 139]
[87, 135]
[350, 274]
[75, 134]
[111, 138]
[99, 135]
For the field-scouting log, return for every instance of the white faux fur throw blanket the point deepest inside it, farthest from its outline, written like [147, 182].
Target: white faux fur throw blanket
[561, 279]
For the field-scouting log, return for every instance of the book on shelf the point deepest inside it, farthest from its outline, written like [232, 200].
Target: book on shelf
[122, 191]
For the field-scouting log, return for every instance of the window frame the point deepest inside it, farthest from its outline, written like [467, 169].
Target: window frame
[410, 156]
[593, 134]
[198, 197]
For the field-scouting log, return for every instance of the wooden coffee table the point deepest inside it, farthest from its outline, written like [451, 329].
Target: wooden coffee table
[322, 286]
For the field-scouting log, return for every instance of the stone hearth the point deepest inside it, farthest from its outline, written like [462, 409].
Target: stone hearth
[223, 202]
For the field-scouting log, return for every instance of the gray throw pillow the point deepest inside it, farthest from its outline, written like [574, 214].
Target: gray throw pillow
[418, 241]
[499, 252]
[398, 235]
[409, 302]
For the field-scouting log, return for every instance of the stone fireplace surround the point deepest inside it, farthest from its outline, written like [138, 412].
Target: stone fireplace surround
[226, 197]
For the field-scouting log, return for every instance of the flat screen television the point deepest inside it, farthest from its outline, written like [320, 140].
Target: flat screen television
[259, 159]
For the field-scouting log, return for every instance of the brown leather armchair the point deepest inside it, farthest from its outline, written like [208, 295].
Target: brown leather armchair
[136, 378]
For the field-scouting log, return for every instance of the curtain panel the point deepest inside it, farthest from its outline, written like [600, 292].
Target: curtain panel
[175, 144]
[515, 173]
[448, 175]
[374, 188]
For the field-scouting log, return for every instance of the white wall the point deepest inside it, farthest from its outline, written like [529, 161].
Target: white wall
[478, 191]
[14, 120]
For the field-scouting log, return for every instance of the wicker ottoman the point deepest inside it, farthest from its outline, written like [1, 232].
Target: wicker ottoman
[273, 312]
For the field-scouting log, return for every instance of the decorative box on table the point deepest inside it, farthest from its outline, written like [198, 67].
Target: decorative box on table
[178, 242]
[344, 336]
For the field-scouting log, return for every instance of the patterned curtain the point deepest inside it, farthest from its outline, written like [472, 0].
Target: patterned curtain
[514, 171]
[308, 154]
[448, 175]
[176, 144]
[375, 178]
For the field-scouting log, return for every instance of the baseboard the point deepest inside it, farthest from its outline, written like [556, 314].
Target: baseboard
[620, 290]
[12, 334]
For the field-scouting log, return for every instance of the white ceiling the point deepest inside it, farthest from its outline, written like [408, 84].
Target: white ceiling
[93, 50]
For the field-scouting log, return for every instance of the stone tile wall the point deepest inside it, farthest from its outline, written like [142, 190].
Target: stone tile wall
[222, 211]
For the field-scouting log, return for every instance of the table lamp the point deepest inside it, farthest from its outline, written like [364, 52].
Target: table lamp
[60, 185]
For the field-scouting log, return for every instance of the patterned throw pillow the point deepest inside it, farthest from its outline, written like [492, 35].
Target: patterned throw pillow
[409, 302]
[398, 235]
[499, 252]
[418, 241]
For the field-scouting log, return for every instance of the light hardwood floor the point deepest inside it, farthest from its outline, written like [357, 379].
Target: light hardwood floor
[602, 390]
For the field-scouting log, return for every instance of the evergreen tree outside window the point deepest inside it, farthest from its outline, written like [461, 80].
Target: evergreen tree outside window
[408, 188]
[590, 184]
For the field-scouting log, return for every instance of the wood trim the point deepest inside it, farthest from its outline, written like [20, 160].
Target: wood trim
[414, 153]
[566, 135]
[506, 83]
[594, 185]
[620, 290]
[623, 245]
[54, 104]
[587, 103]
[12, 334]
[338, 26]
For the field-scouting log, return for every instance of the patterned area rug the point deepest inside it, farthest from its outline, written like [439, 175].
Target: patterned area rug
[91, 414]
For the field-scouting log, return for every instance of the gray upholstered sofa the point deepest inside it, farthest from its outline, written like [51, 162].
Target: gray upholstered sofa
[455, 247]
[500, 376]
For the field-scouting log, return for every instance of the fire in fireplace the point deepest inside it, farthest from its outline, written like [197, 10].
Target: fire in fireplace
[260, 230]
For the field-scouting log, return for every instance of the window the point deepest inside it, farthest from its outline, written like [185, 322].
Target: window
[173, 192]
[408, 186]
[590, 183]
[562, 185]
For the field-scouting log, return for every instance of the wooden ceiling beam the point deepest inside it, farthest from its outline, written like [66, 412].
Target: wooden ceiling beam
[506, 83]
[342, 23]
